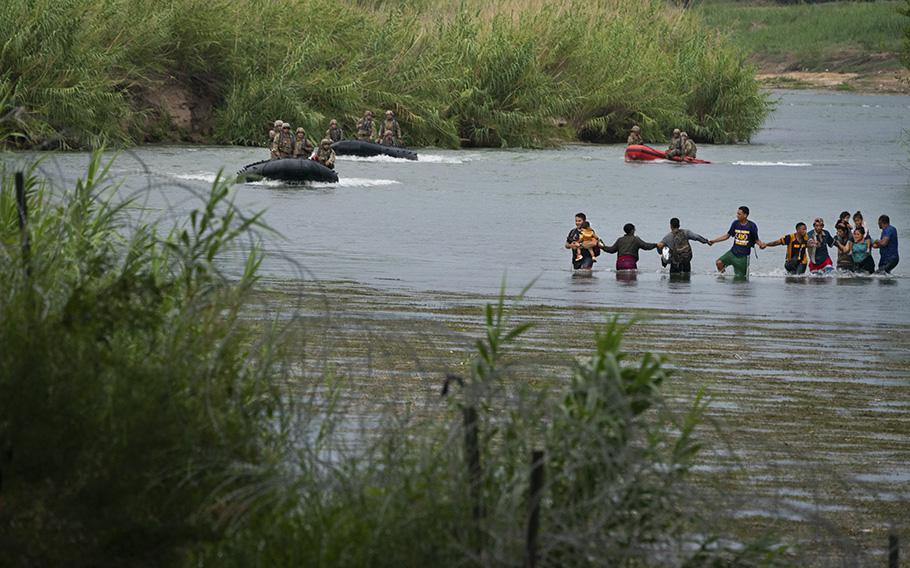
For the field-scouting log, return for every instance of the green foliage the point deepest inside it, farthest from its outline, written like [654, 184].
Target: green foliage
[905, 55]
[129, 393]
[813, 36]
[476, 74]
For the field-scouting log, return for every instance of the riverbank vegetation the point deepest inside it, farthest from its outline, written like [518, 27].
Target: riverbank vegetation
[147, 417]
[77, 73]
[836, 36]
[906, 52]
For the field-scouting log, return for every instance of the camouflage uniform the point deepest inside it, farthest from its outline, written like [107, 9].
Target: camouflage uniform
[273, 145]
[302, 147]
[366, 129]
[391, 124]
[326, 156]
[387, 139]
[285, 143]
[634, 138]
[689, 148]
[334, 134]
[675, 148]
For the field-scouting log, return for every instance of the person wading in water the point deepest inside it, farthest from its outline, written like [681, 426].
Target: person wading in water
[745, 236]
[680, 249]
[588, 250]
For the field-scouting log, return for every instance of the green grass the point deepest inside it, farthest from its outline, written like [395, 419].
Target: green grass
[814, 36]
[506, 74]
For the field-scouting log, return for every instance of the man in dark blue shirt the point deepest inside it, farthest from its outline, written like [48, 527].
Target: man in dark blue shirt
[745, 236]
[887, 245]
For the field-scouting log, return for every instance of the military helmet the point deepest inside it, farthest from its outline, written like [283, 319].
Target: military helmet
[285, 125]
[683, 134]
[300, 130]
[636, 129]
[325, 141]
[676, 131]
[278, 123]
[388, 112]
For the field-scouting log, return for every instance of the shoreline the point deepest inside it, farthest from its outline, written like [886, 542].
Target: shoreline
[892, 82]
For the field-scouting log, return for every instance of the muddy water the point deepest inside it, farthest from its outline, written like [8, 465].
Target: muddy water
[807, 437]
[809, 376]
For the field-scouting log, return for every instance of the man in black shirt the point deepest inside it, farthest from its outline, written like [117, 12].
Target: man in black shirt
[573, 243]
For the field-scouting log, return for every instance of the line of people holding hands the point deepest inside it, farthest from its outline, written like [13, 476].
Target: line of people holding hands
[806, 250]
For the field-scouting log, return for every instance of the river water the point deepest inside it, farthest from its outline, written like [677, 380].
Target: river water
[461, 221]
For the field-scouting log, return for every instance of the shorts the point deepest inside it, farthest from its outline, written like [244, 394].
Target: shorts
[795, 266]
[740, 263]
[825, 266]
[887, 266]
[626, 262]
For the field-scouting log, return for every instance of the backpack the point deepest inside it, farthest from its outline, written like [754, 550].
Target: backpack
[681, 251]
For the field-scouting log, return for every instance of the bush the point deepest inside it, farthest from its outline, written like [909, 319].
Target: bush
[131, 399]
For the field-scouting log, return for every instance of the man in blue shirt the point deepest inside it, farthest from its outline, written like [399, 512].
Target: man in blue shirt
[745, 236]
[887, 246]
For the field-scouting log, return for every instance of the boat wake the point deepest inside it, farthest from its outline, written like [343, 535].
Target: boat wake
[355, 182]
[425, 158]
[206, 177]
[772, 164]
[342, 182]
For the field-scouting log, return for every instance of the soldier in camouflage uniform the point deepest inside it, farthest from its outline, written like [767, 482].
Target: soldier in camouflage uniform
[391, 124]
[366, 128]
[334, 132]
[302, 146]
[675, 148]
[688, 145]
[325, 155]
[388, 139]
[634, 136]
[285, 141]
[273, 139]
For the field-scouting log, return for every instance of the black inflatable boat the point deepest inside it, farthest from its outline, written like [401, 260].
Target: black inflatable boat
[287, 169]
[366, 149]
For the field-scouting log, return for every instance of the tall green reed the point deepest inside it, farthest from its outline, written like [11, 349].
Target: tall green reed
[490, 75]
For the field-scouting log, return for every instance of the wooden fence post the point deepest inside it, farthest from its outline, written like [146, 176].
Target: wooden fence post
[534, 496]
[22, 206]
[475, 475]
[893, 550]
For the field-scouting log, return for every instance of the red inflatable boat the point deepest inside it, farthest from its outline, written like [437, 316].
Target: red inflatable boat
[642, 153]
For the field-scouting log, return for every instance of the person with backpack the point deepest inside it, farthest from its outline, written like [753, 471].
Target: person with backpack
[677, 241]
